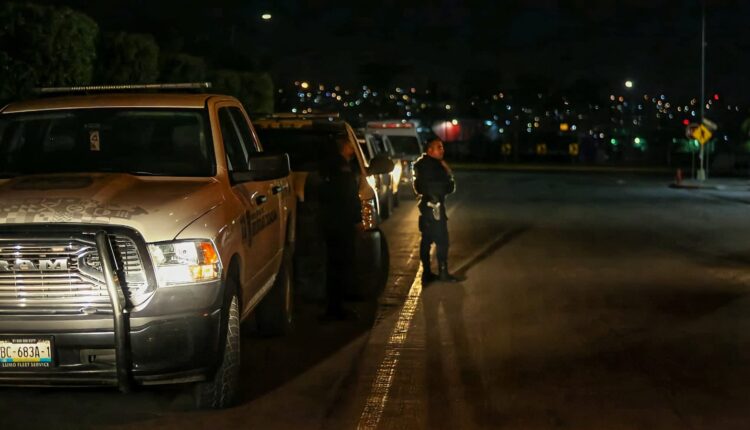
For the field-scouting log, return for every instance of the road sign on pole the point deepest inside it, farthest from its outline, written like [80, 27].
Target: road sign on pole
[702, 134]
[710, 124]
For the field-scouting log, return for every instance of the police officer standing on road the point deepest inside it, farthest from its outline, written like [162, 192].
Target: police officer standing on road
[433, 181]
[341, 213]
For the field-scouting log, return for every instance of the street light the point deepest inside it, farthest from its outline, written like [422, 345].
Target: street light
[628, 84]
[266, 17]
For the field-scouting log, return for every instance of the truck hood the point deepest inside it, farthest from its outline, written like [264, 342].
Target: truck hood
[158, 207]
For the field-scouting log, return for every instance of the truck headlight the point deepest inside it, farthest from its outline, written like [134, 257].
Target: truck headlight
[185, 262]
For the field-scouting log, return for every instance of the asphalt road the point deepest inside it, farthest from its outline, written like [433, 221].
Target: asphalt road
[594, 301]
[591, 301]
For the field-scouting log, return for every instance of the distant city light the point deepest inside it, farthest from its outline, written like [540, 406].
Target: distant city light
[304, 85]
[447, 107]
[266, 16]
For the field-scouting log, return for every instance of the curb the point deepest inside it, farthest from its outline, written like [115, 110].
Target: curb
[556, 168]
[716, 187]
[693, 186]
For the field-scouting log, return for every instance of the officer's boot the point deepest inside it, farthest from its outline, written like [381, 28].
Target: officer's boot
[444, 275]
[427, 275]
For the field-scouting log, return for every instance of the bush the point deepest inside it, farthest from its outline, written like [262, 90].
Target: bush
[44, 46]
[182, 68]
[128, 58]
[253, 89]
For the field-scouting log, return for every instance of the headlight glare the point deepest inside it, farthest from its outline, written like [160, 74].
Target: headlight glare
[185, 262]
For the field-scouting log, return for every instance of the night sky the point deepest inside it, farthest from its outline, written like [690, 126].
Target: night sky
[457, 46]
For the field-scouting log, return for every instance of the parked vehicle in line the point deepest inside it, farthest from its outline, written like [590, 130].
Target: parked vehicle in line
[386, 184]
[137, 231]
[404, 141]
[306, 138]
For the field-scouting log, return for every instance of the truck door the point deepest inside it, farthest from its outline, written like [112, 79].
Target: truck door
[260, 231]
[279, 188]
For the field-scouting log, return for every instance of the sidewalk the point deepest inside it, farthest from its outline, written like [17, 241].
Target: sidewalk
[719, 184]
[560, 168]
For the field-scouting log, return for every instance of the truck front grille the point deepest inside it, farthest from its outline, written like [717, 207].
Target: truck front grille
[64, 276]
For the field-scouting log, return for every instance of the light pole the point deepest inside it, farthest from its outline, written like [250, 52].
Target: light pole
[702, 176]
[630, 120]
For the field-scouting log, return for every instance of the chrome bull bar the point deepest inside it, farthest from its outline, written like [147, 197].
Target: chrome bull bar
[123, 356]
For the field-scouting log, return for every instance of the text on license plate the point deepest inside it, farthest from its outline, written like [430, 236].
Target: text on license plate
[25, 352]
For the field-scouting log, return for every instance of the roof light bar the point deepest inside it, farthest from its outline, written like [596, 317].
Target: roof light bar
[90, 88]
[390, 125]
[286, 115]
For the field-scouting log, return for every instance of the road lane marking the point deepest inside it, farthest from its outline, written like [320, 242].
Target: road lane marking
[381, 385]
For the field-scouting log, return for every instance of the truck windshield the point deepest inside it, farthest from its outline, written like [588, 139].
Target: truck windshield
[307, 148]
[405, 145]
[159, 142]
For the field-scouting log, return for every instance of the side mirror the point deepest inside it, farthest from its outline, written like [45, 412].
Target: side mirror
[380, 165]
[262, 167]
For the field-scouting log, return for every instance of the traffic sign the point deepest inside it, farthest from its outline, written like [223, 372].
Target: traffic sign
[710, 124]
[690, 129]
[702, 134]
[507, 148]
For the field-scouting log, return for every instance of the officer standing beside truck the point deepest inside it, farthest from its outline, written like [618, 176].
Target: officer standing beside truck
[433, 181]
[341, 212]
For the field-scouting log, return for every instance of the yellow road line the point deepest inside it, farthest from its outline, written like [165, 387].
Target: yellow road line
[381, 385]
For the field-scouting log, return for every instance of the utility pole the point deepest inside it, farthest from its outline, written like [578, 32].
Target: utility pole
[702, 176]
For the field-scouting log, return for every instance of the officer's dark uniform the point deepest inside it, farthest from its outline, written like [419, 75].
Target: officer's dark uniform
[341, 212]
[433, 182]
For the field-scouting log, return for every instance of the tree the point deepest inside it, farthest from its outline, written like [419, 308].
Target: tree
[182, 68]
[43, 46]
[128, 58]
[253, 89]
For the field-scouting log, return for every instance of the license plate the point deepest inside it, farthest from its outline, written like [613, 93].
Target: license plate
[24, 352]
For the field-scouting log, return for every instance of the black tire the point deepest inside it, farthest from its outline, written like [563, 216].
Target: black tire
[222, 391]
[275, 313]
[386, 205]
[373, 266]
[385, 266]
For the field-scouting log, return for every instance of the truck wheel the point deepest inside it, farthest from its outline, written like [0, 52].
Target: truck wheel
[387, 205]
[222, 390]
[372, 270]
[275, 313]
[384, 266]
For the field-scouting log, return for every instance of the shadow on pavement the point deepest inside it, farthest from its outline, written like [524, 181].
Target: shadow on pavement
[491, 248]
[441, 391]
